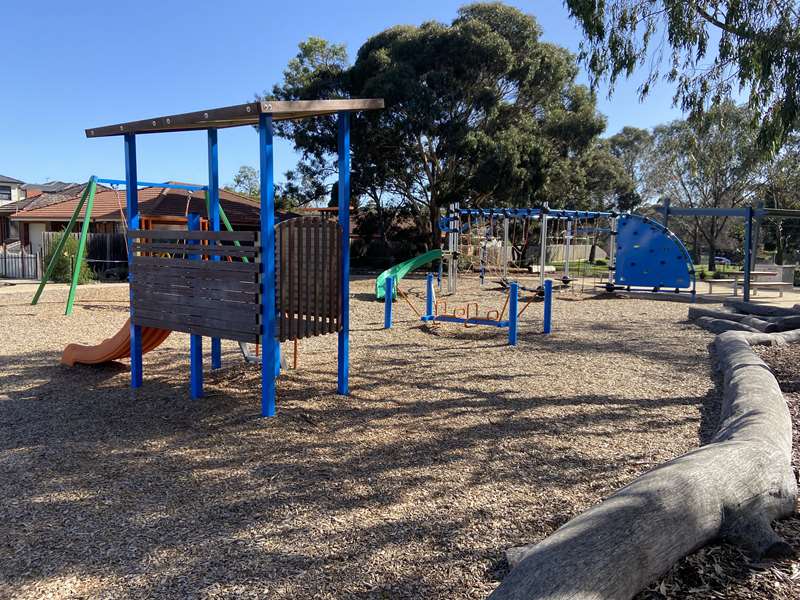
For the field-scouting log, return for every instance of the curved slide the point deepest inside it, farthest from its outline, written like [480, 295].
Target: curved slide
[401, 270]
[113, 348]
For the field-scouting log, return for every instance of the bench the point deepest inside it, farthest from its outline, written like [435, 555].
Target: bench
[711, 282]
[775, 285]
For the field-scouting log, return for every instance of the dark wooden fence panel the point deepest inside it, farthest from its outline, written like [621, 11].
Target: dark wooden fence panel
[197, 282]
[308, 277]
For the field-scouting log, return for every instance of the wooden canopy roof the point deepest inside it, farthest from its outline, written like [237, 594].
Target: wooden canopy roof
[235, 116]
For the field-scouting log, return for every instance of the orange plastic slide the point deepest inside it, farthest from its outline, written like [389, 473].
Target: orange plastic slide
[113, 348]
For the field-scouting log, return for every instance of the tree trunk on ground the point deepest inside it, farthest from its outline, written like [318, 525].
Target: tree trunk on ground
[732, 488]
[763, 310]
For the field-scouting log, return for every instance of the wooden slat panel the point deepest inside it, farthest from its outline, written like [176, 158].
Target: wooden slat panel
[169, 271]
[226, 309]
[176, 234]
[203, 292]
[167, 323]
[199, 320]
[223, 251]
[308, 254]
[195, 265]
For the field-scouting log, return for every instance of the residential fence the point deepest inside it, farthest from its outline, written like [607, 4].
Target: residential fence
[106, 255]
[20, 264]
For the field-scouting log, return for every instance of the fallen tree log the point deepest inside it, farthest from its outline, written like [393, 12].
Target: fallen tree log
[695, 312]
[762, 310]
[723, 325]
[778, 324]
[732, 488]
[753, 323]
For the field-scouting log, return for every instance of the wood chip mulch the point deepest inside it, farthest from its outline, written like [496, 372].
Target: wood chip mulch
[451, 448]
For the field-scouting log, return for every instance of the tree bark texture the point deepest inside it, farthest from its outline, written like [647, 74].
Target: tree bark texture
[732, 489]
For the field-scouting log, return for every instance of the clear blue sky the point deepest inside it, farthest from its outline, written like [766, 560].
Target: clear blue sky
[72, 65]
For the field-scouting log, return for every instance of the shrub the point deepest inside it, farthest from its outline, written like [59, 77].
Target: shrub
[601, 262]
[62, 270]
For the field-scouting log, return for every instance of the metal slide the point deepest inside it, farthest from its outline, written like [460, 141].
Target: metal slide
[113, 348]
[401, 270]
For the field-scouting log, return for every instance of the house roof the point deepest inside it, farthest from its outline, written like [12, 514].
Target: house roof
[109, 205]
[240, 114]
[12, 207]
[50, 186]
[5, 179]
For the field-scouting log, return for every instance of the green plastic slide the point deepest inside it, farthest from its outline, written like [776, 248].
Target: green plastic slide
[401, 270]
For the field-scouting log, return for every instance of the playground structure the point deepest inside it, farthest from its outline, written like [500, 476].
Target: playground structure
[468, 315]
[642, 255]
[749, 214]
[285, 282]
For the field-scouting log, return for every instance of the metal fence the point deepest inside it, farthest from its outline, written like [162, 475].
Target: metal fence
[20, 265]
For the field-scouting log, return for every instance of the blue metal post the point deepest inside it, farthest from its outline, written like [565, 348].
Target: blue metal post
[439, 275]
[195, 341]
[213, 216]
[269, 356]
[748, 251]
[429, 295]
[344, 220]
[387, 306]
[548, 305]
[132, 202]
[512, 313]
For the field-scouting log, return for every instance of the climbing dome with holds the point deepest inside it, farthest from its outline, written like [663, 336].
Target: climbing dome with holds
[650, 255]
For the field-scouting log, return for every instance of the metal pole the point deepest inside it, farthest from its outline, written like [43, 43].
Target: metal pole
[429, 295]
[213, 216]
[666, 213]
[505, 247]
[62, 240]
[612, 246]
[76, 271]
[543, 245]
[548, 306]
[195, 341]
[132, 211]
[567, 241]
[270, 359]
[748, 251]
[513, 300]
[343, 148]
[387, 302]
[452, 246]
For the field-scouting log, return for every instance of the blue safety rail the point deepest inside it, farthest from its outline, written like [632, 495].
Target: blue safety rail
[516, 213]
[650, 255]
[174, 186]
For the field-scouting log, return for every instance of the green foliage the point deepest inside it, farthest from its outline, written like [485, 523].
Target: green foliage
[480, 111]
[708, 163]
[246, 182]
[632, 147]
[62, 271]
[779, 190]
[756, 52]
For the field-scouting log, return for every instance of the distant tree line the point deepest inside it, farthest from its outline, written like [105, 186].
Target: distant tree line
[482, 111]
